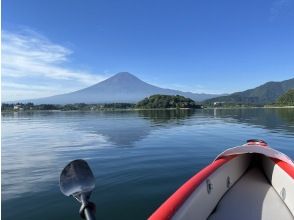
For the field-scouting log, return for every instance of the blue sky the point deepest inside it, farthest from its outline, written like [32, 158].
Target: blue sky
[51, 47]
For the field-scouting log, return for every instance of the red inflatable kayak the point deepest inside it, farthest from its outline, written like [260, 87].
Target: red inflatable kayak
[251, 182]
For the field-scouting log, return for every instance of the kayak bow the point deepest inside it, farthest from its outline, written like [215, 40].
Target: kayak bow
[252, 181]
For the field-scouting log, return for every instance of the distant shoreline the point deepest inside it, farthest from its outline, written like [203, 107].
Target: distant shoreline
[104, 110]
[152, 109]
[240, 107]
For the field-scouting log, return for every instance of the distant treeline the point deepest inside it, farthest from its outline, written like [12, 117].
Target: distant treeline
[67, 107]
[152, 102]
[231, 105]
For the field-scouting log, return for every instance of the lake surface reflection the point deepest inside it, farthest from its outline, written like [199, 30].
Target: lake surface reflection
[138, 157]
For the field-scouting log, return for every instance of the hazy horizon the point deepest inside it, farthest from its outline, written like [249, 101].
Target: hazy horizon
[123, 77]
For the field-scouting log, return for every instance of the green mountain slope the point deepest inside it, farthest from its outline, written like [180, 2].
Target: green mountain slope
[287, 98]
[264, 94]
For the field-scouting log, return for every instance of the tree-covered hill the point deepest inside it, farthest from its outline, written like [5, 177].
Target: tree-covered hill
[264, 94]
[287, 98]
[167, 101]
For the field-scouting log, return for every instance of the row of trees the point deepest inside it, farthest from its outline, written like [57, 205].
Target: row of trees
[67, 107]
[155, 101]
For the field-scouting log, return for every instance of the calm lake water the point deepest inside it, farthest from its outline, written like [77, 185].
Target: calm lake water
[138, 158]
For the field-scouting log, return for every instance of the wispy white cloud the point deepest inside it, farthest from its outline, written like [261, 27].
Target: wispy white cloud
[32, 59]
[19, 91]
[31, 87]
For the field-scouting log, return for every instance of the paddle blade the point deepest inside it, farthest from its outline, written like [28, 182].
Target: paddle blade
[76, 178]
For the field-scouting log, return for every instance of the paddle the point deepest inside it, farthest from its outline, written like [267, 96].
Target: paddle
[77, 180]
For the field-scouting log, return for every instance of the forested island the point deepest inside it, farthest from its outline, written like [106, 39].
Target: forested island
[167, 101]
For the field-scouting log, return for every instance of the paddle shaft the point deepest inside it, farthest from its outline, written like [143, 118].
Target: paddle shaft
[89, 214]
[88, 210]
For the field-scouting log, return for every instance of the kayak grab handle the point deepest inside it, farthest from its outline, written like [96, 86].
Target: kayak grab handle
[256, 141]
